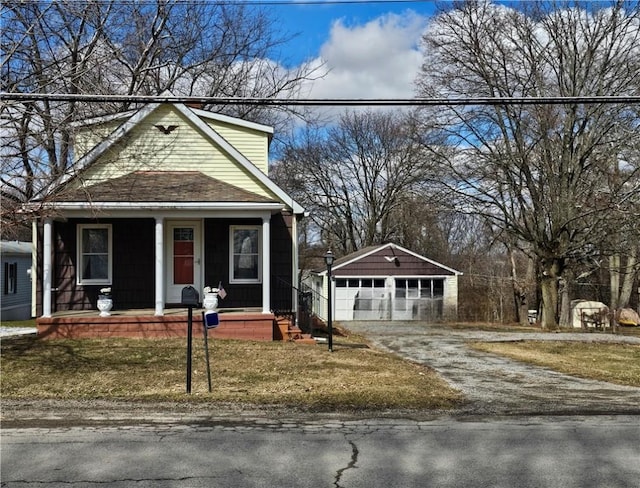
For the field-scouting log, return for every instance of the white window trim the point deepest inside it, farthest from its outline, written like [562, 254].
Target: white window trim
[79, 254]
[232, 230]
[431, 279]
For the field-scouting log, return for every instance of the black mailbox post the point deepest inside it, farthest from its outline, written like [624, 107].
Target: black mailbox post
[190, 298]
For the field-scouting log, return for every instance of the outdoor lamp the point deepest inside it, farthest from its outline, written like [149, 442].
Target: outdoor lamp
[328, 260]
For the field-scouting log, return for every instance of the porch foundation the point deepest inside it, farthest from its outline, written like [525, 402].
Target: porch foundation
[236, 325]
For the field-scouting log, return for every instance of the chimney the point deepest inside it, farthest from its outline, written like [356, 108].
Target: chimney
[195, 104]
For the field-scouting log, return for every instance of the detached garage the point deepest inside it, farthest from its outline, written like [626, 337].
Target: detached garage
[388, 282]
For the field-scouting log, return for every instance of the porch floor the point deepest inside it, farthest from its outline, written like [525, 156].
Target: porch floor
[248, 324]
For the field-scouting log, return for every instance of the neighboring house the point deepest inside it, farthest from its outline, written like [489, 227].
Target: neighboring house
[162, 198]
[15, 270]
[387, 282]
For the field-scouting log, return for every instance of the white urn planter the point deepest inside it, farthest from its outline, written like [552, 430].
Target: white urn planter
[105, 305]
[210, 301]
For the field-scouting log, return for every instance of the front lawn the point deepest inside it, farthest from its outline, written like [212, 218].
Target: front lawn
[354, 376]
[615, 363]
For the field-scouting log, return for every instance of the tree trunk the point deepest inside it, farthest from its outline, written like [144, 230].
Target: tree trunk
[629, 278]
[549, 290]
[519, 293]
[614, 281]
[565, 304]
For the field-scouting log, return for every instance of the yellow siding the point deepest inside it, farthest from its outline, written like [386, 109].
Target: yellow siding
[250, 142]
[184, 149]
[88, 137]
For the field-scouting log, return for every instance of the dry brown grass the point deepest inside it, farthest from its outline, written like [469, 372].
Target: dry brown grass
[615, 363]
[262, 373]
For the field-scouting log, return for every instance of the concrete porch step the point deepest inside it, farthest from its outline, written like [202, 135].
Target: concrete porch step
[305, 339]
[286, 331]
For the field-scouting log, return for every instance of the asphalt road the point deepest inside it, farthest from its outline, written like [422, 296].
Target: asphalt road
[560, 452]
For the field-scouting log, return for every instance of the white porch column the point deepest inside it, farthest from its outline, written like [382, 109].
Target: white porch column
[47, 267]
[159, 293]
[34, 268]
[294, 261]
[266, 264]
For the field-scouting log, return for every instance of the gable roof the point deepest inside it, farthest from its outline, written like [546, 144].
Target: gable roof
[353, 258]
[15, 247]
[195, 117]
[199, 112]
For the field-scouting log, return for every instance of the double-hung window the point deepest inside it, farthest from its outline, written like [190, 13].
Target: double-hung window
[245, 262]
[10, 278]
[95, 257]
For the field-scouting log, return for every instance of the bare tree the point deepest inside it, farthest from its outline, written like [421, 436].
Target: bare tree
[540, 173]
[356, 177]
[103, 47]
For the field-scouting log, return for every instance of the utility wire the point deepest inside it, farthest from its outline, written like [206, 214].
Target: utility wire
[320, 102]
[292, 3]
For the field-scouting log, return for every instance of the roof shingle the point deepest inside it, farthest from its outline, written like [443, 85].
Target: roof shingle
[162, 186]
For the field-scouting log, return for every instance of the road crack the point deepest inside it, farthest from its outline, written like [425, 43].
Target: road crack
[351, 465]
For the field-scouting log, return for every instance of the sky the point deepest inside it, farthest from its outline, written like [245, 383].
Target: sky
[370, 49]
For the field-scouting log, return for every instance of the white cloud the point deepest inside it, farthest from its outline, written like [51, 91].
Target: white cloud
[379, 59]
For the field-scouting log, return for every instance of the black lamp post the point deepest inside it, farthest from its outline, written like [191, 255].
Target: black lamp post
[328, 260]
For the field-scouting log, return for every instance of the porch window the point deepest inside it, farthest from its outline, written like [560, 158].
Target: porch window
[94, 254]
[245, 254]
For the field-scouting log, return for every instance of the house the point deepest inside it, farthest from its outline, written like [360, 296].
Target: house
[15, 277]
[387, 282]
[162, 198]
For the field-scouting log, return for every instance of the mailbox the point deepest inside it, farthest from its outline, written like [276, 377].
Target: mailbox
[190, 296]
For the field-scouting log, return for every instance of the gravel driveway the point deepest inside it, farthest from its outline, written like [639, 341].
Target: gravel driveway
[495, 385]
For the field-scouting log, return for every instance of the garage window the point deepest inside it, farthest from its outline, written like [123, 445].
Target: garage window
[433, 288]
[365, 283]
[370, 298]
[419, 299]
[424, 288]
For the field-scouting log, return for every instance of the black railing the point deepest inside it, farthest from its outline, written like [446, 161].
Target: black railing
[281, 296]
[305, 308]
[282, 302]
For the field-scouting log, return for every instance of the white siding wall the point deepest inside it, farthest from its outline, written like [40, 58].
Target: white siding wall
[450, 305]
[319, 304]
[16, 306]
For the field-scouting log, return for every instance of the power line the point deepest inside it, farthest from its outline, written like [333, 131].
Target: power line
[321, 102]
[292, 3]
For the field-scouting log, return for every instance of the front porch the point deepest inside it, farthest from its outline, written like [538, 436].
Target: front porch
[244, 324]
[247, 324]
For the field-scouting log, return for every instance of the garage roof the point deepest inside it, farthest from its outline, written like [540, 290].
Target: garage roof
[388, 260]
